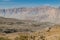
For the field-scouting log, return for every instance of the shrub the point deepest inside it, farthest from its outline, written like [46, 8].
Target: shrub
[22, 37]
[42, 37]
[33, 37]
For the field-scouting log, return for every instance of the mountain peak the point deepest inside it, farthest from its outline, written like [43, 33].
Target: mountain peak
[43, 13]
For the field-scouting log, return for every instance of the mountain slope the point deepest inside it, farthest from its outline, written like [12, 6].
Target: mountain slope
[42, 14]
[9, 25]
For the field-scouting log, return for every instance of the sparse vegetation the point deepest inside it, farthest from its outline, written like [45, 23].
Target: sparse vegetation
[20, 23]
[2, 38]
[22, 37]
[42, 37]
[13, 28]
[10, 31]
[9, 23]
[33, 37]
[35, 25]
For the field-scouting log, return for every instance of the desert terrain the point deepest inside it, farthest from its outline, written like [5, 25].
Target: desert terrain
[13, 29]
[40, 23]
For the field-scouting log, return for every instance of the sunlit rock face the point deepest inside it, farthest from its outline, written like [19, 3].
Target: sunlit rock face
[42, 14]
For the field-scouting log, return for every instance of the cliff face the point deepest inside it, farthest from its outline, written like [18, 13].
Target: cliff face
[43, 14]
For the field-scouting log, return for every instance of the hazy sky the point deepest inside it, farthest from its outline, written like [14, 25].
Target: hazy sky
[27, 3]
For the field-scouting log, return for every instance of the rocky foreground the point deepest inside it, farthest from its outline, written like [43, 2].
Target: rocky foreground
[49, 33]
[13, 29]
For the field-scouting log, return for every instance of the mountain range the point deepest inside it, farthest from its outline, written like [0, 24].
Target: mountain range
[40, 14]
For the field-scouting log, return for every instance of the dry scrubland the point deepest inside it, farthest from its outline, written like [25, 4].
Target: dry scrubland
[12, 29]
[49, 33]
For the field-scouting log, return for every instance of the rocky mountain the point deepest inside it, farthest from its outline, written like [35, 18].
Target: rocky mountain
[40, 14]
